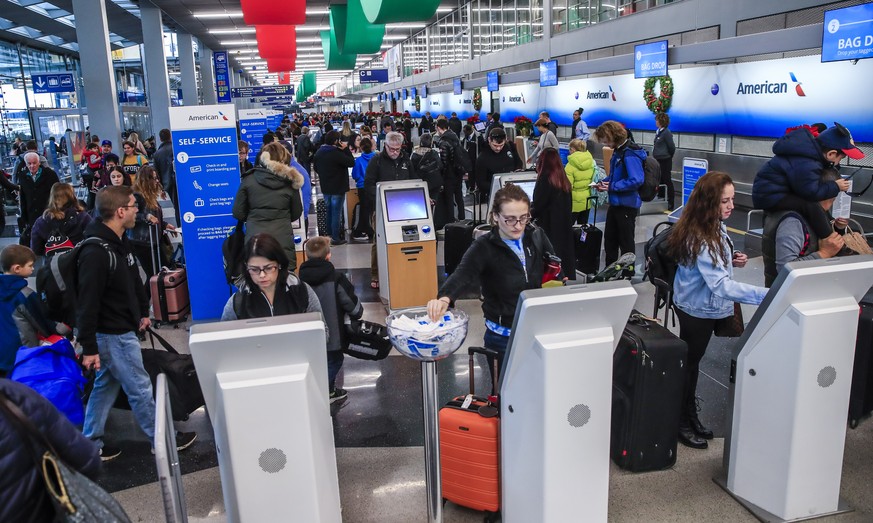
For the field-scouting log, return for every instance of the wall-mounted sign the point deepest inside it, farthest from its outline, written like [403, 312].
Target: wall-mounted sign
[848, 34]
[650, 59]
[493, 81]
[373, 76]
[53, 83]
[457, 86]
[548, 73]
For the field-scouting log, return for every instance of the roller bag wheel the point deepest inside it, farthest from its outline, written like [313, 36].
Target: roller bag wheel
[861, 393]
[648, 384]
[587, 244]
[459, 237]
[469, 456]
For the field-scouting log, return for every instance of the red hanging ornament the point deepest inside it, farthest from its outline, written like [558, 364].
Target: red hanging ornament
[270, 12]
[276, 41]
[278, 65]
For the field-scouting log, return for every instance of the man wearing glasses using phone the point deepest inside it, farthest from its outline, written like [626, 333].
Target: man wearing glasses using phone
[112, 307]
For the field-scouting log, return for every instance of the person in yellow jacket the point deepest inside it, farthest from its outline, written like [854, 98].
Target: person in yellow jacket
[580, 171]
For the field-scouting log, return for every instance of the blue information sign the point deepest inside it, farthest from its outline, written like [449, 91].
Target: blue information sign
[548, 73]
[424, 91]
[457, 86]
[53, 83]
[207, 175]
[373, 76]
[848, 34]
[413, 92]
[493, 81]
[692, 170]
[404, 93]
[266, 90]
[222, 76]
[252, 127]
[274, 119]
[650, 59]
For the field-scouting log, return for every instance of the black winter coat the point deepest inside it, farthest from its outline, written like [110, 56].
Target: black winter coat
[34, 194]
[383, 169]
[20, 484]
[163, 162]
[337, 297]
[491, 263]
[449, 145]
[429, 167]
[332, 165]
[552, 209]
[490, 163]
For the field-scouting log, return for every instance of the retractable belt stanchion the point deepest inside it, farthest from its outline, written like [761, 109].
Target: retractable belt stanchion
[556, 402]
[790, 379]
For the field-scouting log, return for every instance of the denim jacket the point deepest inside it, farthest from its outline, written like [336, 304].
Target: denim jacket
[707, 290]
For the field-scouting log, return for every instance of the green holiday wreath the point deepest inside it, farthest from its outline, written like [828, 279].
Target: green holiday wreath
[662, 102]
[477, 99]
[417, 103]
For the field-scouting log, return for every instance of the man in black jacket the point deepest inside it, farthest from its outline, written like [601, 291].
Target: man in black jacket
[163, 160]
[499, 156]
[112, 306]
[35, 187]
[426, 124]
[304, 149]
[453, 177]
[332, 163]
[455, 124]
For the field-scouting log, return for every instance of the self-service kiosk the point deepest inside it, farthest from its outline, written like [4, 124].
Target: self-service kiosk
[790, 379]
[265, 385]
[405, 244]
[525, 180]
[556, 402]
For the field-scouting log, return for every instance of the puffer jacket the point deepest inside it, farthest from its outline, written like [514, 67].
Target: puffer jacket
[268, 200]
[20, 484]
[626, 175]
[428, 165]
[580, 171]
[796, 168]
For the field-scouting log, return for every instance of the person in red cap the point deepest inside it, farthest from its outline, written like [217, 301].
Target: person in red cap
[792, 180]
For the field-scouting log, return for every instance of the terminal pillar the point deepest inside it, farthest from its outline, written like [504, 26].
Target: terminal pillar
[207, 76]
[187, 68]
[155, 63]
[92, 32]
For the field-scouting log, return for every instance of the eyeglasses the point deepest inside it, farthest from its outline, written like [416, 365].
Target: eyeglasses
[393, 149]
[512, 220]
[134, 206]
[266, 269]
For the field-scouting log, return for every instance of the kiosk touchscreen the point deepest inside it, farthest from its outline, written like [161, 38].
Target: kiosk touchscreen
[405, 244]
[525, 180]
[556, 402]
[265, 385]
[790, 380]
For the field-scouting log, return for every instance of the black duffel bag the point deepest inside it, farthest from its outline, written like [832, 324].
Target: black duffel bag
[367, 340]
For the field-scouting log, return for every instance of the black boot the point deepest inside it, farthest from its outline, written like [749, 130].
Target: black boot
[694, 420]
[689, 438]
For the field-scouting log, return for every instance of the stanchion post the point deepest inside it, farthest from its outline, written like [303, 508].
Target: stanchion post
[431, 442]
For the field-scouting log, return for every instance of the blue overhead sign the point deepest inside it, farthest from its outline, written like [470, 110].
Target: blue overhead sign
[413, 92]
[252, 128]
[53, 83]
[548, 73]
[373, 76]
[266, 90]
[403, 93]
[424, 91]
[848, 34]
[650, 59]
[493, 81]
[457, 86]
[222, 76]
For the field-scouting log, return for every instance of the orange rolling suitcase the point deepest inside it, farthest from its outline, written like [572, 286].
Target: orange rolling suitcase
[469, 458]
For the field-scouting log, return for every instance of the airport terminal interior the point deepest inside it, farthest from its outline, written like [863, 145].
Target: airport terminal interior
[732, 76]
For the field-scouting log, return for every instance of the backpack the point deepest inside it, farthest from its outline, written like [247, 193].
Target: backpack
[58, 241]
[651, 179]
[661, 266]
[53, 372]
[462, 159]
[57, 280]
[232, 252]
[428, 168]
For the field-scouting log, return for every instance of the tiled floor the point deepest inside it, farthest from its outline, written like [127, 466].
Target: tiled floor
[378, 434]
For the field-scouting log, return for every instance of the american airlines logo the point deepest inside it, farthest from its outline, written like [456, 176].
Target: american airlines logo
[768, 87]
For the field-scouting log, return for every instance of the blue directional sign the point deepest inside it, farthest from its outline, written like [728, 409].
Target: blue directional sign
[692, 170]
[457, 86]
[373, 76]
[413, 92]
[252, 127]
[403, 93]
[266, 90]
[53, 83]
[424, 91]
[222, 76]
[548, 73]
[493, 81]
[650, 59]
[848, 34]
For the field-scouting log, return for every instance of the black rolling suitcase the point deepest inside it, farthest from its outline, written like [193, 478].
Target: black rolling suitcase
[648, 381]
[589, 239]
[321, 219]
[861, 394]
[459, 237]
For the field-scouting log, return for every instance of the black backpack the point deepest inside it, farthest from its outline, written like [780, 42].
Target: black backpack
[232, 252]
[59, 241]
[652, 176]
[428, 167]
[57, 280]
[661, 266]
[462, 159]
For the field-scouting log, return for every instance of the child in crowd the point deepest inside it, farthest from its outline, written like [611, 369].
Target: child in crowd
[338, 299]
[22, 317]
[792, 180]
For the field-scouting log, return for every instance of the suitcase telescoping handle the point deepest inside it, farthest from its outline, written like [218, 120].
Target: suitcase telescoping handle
[472, 351]
[593, 204]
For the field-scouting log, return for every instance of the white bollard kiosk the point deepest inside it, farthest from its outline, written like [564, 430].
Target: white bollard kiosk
[265, 385]
[556, 402]
[790, 380]
[405, 244]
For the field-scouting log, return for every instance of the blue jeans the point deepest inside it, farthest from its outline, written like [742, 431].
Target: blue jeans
[120, 368]
[334, 204]
[334, 364]
[498, 343]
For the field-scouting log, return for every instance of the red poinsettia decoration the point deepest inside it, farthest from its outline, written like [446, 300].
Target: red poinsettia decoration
[473, 119]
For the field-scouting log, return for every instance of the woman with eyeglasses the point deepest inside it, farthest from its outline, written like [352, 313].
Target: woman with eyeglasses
[269, 286]
[147, 235]
[506, 261]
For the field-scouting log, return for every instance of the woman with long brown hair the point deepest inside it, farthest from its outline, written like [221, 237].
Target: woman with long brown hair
[147, 190]
[704, 289]
[552, 207]
[62, 224]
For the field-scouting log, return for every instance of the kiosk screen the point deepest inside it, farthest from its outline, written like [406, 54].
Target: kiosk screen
[527, 187]
[406, 204]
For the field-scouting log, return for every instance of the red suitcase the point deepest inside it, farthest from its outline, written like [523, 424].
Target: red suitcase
[469, 457]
